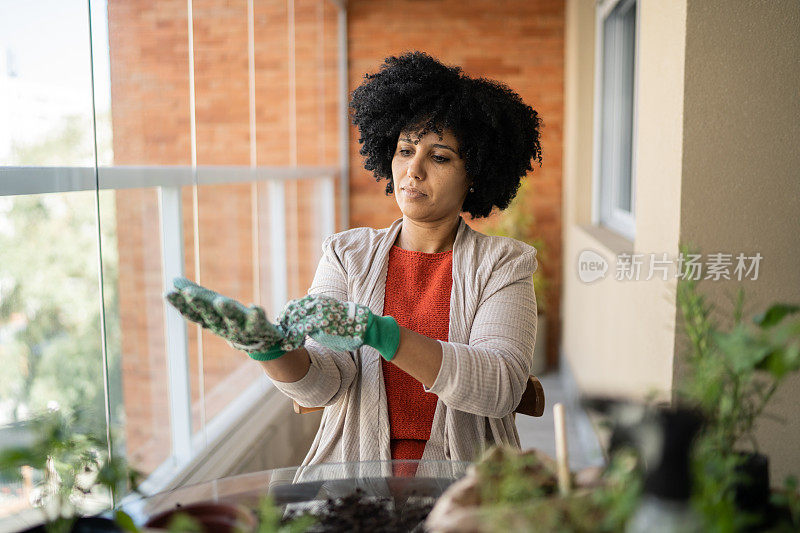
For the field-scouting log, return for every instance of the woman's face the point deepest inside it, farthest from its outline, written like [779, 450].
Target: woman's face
[430, 179]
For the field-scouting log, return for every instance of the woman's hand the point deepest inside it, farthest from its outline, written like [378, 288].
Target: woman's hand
[245, 328]
[340, 326]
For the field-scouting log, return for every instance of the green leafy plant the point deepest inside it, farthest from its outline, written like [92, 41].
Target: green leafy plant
[518, 493]
[789, 498]
[271, 519]
[731, 375]
[510, 477]
[72, 466]
[620, 490]
[183, 523]
[518, 222]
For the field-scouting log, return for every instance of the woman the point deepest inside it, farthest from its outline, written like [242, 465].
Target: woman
[417, 338]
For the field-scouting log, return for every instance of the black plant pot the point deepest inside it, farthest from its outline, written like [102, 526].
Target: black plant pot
[752, 492]
[87, 524]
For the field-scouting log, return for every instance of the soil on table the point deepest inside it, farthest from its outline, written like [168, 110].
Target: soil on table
[359, 512]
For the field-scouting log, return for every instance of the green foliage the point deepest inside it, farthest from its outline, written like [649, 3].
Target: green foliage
[518, 222]
[271, 519]
[510, 477]
[124, 521]
[183, 523]
[620, 491]
[714, 479]
[50, 303]
[49, 295]
[518, 493]
[789, 498]
[732, 374]
[72, 466]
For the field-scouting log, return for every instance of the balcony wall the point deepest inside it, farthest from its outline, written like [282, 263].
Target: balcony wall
[740, 186]
[619, 336]
[716, 165]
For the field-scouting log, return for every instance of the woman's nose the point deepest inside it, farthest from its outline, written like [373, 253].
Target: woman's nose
[414, 169]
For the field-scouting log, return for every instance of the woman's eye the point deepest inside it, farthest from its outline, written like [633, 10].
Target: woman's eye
[403, 151]
[440, 159]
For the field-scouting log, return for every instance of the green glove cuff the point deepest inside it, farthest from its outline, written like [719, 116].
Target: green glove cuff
[383, 334]
[269, 355]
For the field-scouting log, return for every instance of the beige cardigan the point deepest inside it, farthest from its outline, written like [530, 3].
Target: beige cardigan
[485, 363]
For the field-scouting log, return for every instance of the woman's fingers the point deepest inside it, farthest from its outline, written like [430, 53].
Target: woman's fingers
[201, 301]
[182, 283]
[234, 316]
[295, 334]
[333, 323]
[257, 320]
[187, 311]
[258, 326]
[304, 310]
[245, 328]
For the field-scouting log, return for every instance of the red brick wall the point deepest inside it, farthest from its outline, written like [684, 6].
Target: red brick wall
[519, 42]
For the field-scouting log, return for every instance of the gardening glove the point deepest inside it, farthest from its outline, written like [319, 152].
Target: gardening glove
[245, 328]
[341, 326]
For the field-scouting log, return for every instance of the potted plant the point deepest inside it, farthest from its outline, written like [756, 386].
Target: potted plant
[730, 375]
[513, 490]
[204, 516]
[518, 222]
[73, 469]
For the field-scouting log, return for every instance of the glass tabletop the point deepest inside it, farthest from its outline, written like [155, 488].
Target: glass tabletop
[305, 486]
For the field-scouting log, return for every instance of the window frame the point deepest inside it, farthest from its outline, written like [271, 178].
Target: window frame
[605, 190]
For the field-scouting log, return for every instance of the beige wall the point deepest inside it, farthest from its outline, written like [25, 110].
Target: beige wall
[741, 166]
[717, 166]
[619, 335]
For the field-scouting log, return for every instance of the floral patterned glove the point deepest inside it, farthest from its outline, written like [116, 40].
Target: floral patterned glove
[245, 328]
[341, 326]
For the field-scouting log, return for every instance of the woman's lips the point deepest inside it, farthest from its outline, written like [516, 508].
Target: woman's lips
[412, 194]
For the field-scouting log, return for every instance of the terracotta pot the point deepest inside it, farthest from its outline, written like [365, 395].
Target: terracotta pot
[213, 517]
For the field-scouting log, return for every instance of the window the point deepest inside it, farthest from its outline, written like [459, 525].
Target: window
[126, 167]
[615, 124]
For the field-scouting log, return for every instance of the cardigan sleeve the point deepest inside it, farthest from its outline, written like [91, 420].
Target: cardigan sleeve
[331, 373]
[488, 376]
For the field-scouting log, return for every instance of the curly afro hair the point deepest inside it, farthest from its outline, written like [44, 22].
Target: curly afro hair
[498, 133]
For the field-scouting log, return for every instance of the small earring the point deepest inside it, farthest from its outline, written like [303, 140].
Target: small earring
[472, 189]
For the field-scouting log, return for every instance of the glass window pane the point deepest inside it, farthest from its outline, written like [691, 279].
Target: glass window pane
[50, 338]
[135, 320]
[225, 211]
[148, 80]
[626, 68]
[45, 84]
[617, 109]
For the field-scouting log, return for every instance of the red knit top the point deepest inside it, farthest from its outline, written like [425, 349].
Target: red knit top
[418, 288]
